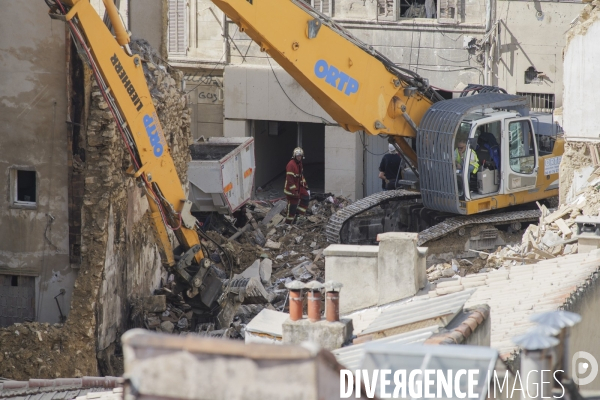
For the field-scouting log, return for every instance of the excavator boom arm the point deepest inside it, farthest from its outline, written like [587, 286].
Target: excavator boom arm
[121, 78]
[353, 84]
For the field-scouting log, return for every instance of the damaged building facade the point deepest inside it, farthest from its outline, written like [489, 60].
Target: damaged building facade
[76, 245]
[236, 91]
[580, 119]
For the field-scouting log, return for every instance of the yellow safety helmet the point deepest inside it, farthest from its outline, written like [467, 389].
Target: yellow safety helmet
[298, 152]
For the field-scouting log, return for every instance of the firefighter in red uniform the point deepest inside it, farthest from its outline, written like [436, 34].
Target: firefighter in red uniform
[296, 189]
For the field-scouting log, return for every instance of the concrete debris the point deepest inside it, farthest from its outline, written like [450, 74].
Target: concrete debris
[457, 268]
[272, 245]
[254, 265]
[167, 326]
[155, 304]
[555, 235]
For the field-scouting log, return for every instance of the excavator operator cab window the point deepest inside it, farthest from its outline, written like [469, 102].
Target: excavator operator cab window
[463, 157]
[521, 147]
[487, 137]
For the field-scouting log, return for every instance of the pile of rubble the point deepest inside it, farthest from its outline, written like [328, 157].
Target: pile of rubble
[555, 235]
[254, 265]
[454, 268]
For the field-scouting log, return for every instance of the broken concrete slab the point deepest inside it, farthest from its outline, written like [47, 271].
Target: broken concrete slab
[265, 270]
[250, 272]
[276, 210]
[266, 327]
[155, 304]
[272, 245]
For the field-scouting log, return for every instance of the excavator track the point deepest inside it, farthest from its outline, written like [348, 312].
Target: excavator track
[453, 224]
[450, 225]
[337, 220]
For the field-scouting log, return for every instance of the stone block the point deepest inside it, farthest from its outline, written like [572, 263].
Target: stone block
[401, 266]
[356, 268]
[587, 242]
[155, 303]
[328, 335]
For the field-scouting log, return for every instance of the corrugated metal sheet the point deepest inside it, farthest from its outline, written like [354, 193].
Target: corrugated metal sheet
[420, 310]
[351, 356]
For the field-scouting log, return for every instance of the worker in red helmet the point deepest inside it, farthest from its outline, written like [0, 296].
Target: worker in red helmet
[296, 188]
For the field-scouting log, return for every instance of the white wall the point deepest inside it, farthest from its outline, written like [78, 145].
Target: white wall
[254, 92]
[581, 120]
[343, 163]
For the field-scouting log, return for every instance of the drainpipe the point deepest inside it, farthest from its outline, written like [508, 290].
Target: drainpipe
[536, 357]
[225, 34]
[489, 5]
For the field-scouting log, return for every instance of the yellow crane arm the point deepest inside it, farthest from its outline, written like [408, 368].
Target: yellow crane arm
[352, 84]
[137, 120]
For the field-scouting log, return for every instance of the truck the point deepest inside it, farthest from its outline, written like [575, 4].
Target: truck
[363, 90]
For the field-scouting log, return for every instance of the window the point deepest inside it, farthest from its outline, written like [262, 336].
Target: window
[23, 188]
[540, 102]
[392, 10]
[447, 11]
[444, 11]
[177, 27]
[323, 6]
[521, 147]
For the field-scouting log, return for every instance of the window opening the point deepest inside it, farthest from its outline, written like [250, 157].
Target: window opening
[26, 186]
[540, 102]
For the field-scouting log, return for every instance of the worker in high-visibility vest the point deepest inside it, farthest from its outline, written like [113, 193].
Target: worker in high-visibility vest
[459, 157]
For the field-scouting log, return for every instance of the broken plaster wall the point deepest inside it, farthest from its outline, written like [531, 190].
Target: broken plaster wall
[120, 260]
[580, 115]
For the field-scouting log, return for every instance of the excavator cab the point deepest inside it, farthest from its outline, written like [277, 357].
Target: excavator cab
[496, 129]
[499, 138]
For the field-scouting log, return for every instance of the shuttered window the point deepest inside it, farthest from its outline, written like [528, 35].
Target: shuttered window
[447, 11]
[322, 6]
[177, 27]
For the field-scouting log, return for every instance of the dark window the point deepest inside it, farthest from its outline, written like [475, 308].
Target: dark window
[14, 280]
[26, 186]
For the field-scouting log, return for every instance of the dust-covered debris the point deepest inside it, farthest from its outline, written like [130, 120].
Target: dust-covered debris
[254, 264]
[555, 235]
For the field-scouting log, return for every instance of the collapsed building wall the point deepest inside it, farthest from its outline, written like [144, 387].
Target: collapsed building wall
[580, 116]
[119, 257]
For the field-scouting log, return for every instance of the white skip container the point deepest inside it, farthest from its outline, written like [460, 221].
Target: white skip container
[221, 174]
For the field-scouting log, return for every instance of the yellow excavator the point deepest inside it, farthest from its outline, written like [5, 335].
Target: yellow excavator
[365, 91]
[120, 76]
